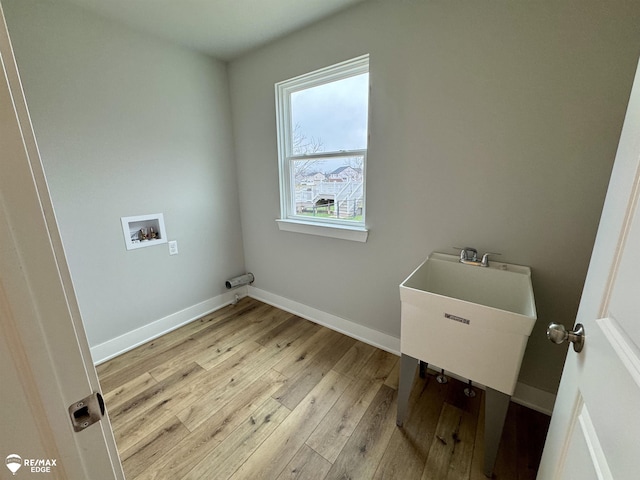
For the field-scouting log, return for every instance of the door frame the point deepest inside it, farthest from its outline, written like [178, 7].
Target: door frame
[40, 320]
[620, 204]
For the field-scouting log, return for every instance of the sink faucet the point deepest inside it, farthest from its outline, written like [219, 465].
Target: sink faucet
[469, 256]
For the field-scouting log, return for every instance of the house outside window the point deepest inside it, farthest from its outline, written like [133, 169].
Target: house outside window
[322, 122]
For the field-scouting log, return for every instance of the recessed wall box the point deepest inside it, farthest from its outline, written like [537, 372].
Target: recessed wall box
[143, 230]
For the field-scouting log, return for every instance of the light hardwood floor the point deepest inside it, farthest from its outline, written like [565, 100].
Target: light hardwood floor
[253, 392]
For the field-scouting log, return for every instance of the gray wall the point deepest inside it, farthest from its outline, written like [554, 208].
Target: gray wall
[129, 125]
[493, 124]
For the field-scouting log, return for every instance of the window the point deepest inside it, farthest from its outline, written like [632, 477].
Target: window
[322, 148]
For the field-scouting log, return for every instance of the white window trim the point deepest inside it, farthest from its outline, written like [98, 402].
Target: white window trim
[289, 221]
[343, 232]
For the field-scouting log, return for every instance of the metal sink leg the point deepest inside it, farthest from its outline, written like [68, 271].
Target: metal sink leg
[408, 367]
[496, 406]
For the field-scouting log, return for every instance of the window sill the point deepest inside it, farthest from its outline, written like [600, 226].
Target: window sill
[343, 232]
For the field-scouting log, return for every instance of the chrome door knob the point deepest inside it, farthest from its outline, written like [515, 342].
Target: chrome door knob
[558, 334]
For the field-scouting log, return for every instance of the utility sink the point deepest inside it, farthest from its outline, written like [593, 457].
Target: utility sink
[469, 320]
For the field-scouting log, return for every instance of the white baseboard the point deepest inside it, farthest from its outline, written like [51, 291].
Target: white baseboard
[534, 398]
[524, 394]
[130, 340]
[368, 335]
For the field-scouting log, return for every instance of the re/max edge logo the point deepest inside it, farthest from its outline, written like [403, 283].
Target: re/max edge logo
[35, 465]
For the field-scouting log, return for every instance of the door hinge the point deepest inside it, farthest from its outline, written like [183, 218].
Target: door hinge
[87, 411]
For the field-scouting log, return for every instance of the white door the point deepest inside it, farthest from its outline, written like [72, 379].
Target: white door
[45, 364]
[595, 426]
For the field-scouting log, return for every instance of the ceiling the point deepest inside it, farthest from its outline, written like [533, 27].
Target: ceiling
[223, 29]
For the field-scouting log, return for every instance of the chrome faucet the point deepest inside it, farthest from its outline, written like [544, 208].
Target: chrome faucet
[469, 256]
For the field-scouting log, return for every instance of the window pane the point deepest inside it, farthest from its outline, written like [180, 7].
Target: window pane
[331, 117]
[329, 188]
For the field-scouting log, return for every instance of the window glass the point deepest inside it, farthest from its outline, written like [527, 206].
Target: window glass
[333, 115]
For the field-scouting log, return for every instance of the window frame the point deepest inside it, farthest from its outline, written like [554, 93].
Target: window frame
[289, 219]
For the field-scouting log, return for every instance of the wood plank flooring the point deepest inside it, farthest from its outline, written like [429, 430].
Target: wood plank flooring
[253, 392]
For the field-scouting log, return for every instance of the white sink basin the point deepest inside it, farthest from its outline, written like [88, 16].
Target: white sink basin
[469, 320]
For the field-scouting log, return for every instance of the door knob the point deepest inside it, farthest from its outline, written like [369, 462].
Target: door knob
[558, 334]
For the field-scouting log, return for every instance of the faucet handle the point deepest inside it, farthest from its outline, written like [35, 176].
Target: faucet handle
[485, 258]
[468, 253]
